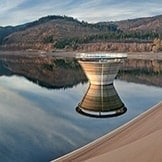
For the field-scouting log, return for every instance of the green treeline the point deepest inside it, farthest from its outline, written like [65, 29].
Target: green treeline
[105, 37]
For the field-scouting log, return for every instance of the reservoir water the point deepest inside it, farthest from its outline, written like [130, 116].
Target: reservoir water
[38, 100]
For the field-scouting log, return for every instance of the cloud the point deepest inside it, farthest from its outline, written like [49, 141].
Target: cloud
[7, 5]
[115, 10]
[22, 11]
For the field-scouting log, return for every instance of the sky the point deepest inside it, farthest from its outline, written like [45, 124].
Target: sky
[16, 12]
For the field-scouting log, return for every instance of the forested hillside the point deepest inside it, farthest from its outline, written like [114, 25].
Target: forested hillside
[66, 33]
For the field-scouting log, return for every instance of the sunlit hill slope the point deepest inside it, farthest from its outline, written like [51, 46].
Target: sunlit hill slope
[66, 33]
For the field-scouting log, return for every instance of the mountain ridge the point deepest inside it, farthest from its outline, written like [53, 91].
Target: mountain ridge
[62, 32]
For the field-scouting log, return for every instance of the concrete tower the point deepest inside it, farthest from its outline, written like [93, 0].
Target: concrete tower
[101, 98]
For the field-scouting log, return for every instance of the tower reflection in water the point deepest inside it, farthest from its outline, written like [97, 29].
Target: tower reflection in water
[101, 99]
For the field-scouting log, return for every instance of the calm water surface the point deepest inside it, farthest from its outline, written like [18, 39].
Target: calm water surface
[41, 124]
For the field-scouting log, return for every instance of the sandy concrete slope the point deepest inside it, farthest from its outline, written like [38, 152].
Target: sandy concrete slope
[139, 140]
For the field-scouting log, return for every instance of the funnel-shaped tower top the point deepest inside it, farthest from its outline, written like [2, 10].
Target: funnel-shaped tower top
[101, 68]
[100, 56]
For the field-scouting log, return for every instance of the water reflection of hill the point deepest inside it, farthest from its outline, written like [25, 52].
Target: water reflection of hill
[50, 72]
[142, 71]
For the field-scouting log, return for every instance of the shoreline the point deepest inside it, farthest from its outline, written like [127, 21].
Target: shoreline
[122, 140]
[131, 55]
